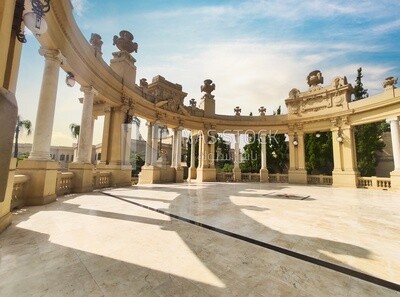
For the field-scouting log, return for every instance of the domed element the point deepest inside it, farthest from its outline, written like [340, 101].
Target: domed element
[315, 78]
[125, 42]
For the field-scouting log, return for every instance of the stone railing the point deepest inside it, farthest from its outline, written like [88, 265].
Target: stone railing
[101, 179]
[250, 177]
[224, 176]
[278, 178]
[374, 182]
[319, 179]
[18, 191]
[64, 183]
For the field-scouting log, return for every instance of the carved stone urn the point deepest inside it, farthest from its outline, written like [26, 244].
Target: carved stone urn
[315, 78]
[390, 81]
[125, 42]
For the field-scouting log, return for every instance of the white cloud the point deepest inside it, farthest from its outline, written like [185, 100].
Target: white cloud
[79, 6]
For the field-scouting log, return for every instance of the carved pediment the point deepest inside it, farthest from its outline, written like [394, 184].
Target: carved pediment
[318, 98]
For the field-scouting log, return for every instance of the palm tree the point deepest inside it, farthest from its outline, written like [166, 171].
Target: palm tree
[75, 129]
[21, 125]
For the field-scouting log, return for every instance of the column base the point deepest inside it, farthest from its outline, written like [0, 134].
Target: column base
[297, 177]
[206, 174]
[149, 175]
[82, 182]
[179, 175]
[345, 179]
[41, 187]
[264, 176]
[192, 173]
[237, 174]
[395, 180]
[121, 175]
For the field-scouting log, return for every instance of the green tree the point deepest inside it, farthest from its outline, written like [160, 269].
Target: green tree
[368, 136]
[359, 91]
[222, 150]
[19, 128]
[251, 154]
[277, 151]
[319, 153]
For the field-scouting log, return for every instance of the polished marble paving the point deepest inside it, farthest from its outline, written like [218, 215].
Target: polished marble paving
[101, 245]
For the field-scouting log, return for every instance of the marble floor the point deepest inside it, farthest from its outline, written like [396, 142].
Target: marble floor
[158, 240]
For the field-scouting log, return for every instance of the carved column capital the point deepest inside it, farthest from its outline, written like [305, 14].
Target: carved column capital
[88, 90]
[51, 54]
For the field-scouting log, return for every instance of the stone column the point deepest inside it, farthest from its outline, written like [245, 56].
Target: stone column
[205, 172]
[47, 104]
[192, 169]
[154, 144]
[201, 153]
[86, 130]
[345, 172]
[41, 170]
[173, 153]
[149, 144]
[118, 148]
[237, 173]
[150, 173]
[178, 156]
[106, 136]
[297, 171]
[263, 170]
[211, 154]
[395, 134]
[82, 167]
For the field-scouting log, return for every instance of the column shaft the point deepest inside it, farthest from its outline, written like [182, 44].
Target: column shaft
[86, 131]
[192, 152]
[178, 156]
[237, 151]
[149, 144]
[173, 152]
[394, 131]
[154, 145]
[47, 104]
[263, 139]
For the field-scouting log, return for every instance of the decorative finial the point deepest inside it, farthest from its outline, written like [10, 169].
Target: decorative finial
[237, 110]
[262, 110]
[315, 78]
[208, 87]
[390, 82]
[96, 42]
[193, 103]
[125, 42]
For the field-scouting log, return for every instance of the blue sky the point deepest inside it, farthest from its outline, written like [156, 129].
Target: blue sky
[255, 51]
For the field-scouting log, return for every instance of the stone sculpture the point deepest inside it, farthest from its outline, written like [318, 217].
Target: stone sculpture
[125, 42]
[315, 78]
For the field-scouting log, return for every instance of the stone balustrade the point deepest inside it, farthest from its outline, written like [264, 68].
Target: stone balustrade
[373, 182]
[18, 191]
[101, 179]
[64, 183]
[319, 179]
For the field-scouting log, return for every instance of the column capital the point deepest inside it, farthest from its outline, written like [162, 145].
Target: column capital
[51, 54]
[393, 118]
[107, 109]
[88, 90]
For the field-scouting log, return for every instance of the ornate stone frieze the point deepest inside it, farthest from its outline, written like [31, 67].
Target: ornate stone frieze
[319, 98]
[167, 95]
